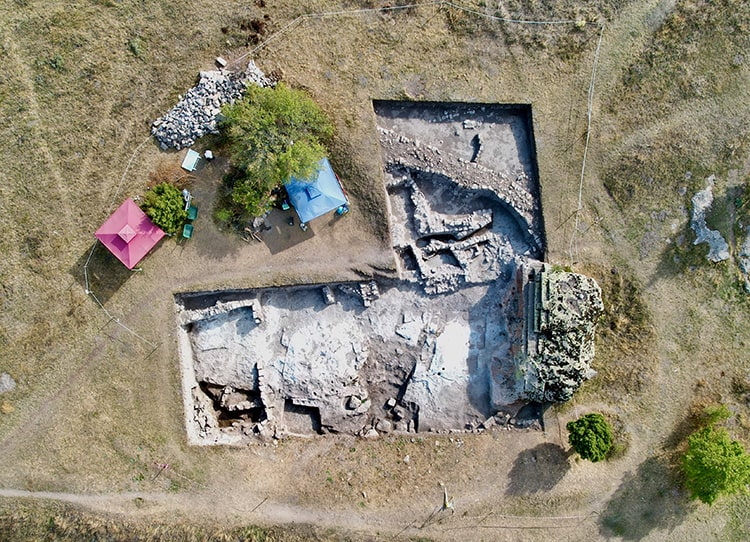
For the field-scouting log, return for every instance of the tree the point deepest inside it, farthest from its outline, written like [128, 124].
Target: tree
[714, 464]
[590, 436]
[273, 134]
[165, 207]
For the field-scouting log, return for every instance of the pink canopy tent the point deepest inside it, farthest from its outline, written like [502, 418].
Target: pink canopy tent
[129, 234]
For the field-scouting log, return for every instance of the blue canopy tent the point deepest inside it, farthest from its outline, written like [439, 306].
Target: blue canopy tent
[313, 198]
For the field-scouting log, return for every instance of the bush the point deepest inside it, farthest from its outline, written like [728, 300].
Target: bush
[136, 47]
[590, 436]
[273, 134]
[165, 206]
[714, 464]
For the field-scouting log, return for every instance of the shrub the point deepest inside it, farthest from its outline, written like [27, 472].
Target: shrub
[590, 436]
[165, 206]
[135, 45]
[714, 464]
[713, 414]
[273, 134]
[223, 216]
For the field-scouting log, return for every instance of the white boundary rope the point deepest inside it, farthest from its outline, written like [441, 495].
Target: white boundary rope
[96, 244]
[445, 3]
[589, 107]
[324, 14]
[362, 11]
[506, 20]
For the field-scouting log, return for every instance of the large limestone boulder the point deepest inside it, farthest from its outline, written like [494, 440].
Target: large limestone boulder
[566, 308]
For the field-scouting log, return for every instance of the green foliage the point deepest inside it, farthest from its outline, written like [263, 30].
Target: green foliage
[56, 63]
[136, 46]
[714, 464]
[223, 216]
[252, 195]
[714, 414]
[590, 436]
[558, 268]
[273, 134]
[165, 207]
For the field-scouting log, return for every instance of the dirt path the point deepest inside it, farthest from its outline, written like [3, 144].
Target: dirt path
[385, 509]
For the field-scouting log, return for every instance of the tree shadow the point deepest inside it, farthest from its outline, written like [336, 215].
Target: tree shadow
[106, 274]
[691, 422]
[648, 499]
[282, 231]
[538, 469]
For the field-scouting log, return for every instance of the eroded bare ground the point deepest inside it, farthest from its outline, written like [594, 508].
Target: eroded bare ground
[451, 345]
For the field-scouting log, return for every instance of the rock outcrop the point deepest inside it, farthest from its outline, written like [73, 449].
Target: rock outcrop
[7, 384]
[718, 249]
[562, 310]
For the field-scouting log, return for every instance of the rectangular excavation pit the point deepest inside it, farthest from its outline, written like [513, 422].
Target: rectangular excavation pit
[405, 360]
[506, 131]
[301, 419]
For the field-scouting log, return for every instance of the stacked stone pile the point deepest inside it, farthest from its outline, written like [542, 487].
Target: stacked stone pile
[195, 115]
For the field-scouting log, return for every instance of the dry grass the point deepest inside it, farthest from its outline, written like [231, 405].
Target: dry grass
[41, 521]
[95, 408]
[625, 357]
[170, 172]
[677, 109]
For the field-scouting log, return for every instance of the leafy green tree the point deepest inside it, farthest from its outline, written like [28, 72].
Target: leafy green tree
[165, 206]
[714, 464]
[273, 134]
[590, 436]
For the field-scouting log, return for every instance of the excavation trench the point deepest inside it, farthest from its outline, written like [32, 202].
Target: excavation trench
[449, 345]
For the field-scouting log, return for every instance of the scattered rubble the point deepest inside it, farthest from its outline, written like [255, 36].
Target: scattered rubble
[718, 249]
[195, 114]
[404, 156]
[7, 384]
[447, 251]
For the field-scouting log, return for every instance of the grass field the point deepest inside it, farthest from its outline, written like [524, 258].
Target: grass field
[98, 408]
